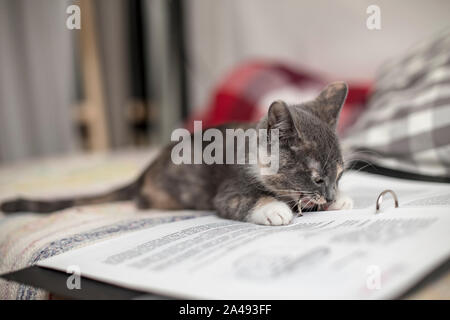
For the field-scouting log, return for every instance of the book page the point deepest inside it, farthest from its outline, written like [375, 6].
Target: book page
[364, 189]
[353, 254]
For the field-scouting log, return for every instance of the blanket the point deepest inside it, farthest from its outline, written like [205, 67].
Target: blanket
[27, 238]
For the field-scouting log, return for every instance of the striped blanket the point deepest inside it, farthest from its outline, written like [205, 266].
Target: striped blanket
[28, 238]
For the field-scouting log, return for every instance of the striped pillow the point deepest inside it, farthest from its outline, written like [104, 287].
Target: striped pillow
[406, 125]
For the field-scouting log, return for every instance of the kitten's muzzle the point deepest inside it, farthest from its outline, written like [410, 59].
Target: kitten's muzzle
[309, 202]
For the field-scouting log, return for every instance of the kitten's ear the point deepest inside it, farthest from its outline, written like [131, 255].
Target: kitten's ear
[279, 117]
[330, 102]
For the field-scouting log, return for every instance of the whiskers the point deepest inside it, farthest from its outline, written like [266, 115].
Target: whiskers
[352, 159]
[307, 204]
[293, 191]
[295, 203]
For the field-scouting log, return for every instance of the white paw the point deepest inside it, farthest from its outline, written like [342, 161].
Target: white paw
[275, 213]
[342, 202]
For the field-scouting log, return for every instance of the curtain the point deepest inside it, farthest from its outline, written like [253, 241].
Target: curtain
[112, 23]
[37, 80]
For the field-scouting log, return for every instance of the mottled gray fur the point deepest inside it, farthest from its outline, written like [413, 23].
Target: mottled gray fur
[309, 166]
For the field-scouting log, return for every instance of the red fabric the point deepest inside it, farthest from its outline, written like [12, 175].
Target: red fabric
[238, 97]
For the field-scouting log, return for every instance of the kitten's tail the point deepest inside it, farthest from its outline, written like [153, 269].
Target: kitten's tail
[40, 206]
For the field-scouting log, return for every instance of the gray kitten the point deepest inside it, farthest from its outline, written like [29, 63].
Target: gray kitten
[310, 166]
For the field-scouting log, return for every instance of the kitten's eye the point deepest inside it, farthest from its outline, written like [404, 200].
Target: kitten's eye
[318, 180]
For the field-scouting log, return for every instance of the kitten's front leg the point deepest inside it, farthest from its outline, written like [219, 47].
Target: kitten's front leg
[251, 205]
[269, 211]
[342, 202]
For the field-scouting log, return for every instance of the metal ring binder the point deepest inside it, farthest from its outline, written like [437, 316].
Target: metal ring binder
[380, 199]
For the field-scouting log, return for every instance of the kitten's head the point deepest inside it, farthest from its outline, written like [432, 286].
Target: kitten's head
[310, 160]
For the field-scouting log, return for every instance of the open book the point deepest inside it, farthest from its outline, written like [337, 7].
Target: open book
[336, 254]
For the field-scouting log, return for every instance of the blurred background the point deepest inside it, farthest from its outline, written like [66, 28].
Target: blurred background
[137, 69]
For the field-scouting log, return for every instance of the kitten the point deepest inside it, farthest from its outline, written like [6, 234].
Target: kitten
[310, 166]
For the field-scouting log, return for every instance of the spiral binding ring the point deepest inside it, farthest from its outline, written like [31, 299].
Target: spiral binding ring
[380, 199]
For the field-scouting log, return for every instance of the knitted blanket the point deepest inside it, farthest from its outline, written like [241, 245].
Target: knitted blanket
[27, 238]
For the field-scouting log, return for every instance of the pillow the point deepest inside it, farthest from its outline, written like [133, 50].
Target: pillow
[406, 124]
[247, 92]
